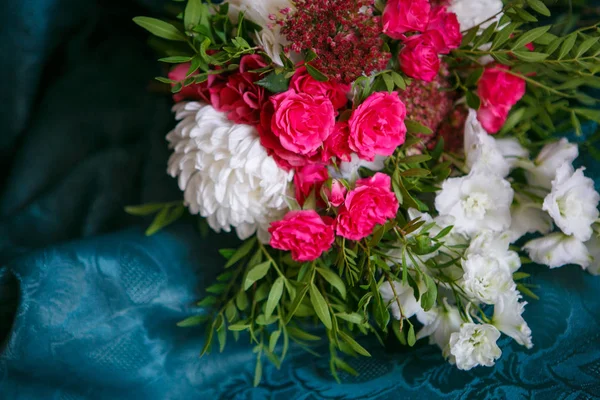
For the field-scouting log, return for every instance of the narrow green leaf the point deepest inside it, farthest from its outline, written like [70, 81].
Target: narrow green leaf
[256, 273]
[145, 209]
[586, 45]
[207, 301]
[320, 306]
[192, 13]
[176, 59]
[503, 36]
[389, 82]
[334, 280]
[274, 296]
[530, 36]
[539, 7]
[209, 338]
[415, 127]
[486, 35]
[410, 338]
[398, 80]
[416, 159]
[429, 298]
[473, 100]
[354, 344]
[355, 318]
[567, 45]
[576, 124]
[517, 276]
[165, 218]
[296, 303]
[301, 335]
[257, 371]
[222, 337]
[530, 56]
[523, 289]
[192, 321]
[315, 73]
[274, 82]
[415, 172]
[241, 252]
[273, 340]
[241, 300]
[160, 28]
[238, 327]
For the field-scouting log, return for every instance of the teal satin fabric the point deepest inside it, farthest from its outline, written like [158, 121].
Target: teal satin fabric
[88, 304]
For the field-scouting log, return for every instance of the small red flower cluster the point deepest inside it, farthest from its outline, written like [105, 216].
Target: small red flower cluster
[343, 33]
[437, 32]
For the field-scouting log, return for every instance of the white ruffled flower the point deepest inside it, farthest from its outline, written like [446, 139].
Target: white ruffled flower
[477, 202]
[573, 202]
[484, 154]
[557, 250]
[225, 172]
[405, 295]
[473, 12]
[542, 171]
[495, 245]
[259, 11]
[348, 170]
[475, 345]
[508, 318]
[486, 278]
[528, 217]
[439, 323]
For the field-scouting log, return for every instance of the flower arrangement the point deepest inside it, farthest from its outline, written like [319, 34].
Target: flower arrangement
[389, 164]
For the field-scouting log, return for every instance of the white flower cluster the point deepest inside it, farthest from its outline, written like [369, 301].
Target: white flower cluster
[225, 172]
[488, 212]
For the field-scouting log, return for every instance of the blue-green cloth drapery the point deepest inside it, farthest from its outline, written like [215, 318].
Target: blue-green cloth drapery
[88, 304]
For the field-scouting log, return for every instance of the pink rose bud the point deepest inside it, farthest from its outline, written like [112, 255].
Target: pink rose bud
[444, 30]
[337, 145]
[302, 121]
[419, 58]
[304, 233]
[337, 194]
[377, 126]
[498, 91]
[308, 178]
[335, 91]
[372, 202]
[401, 16]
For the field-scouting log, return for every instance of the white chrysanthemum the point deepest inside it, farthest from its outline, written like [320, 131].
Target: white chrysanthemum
[508, 318]
[528, 217]
[403, 294]
[495, 245]
[475, 345]
[225, 173]
[477, 202]
[473, 12]
[259, 12]
[348, 170]
[573, 202]
[439, 324]
[542, 171]
[557, 250]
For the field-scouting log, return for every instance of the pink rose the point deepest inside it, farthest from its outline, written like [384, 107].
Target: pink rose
[498, 91]
[308, 178]
[401, 16]
[336, 194]
[444, 30]
[369, 204]
[419, 58]
[377, 126]
[301, 121]
[284, 158]
[337, 144]
[304, 233]
[335, 91]
[240, 98]
[196, 91]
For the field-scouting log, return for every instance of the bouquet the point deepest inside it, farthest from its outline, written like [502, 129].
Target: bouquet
[390, 166]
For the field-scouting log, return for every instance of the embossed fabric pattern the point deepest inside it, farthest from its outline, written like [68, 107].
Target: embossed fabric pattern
[88, 304]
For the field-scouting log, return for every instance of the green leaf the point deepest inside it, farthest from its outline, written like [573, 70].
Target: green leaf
[320, 306]
[192, 321]
[503, 36]
[539, 7]
[298, 333]
[256, 273]
[241, 252]
[160, 28]
[523, 289]
[209, 338]
[334, 280]
[241, 300]
[429, 298]
[273, 340]
[517, 276]
[474, 77]
[176, 59]
[238, 327]
[192, 14]
[398, 80]
[567, 45]
[554, 45]
[530, 36]
[410, 338]
[486, 35]
[263, 320]
[588, 113]
[586, 45]
[165, 218]
[315, 73]
[415, 127]
[217, 288]
[207, 301]
[296, 303]
[275, 83]
[145, 209]
[415, 172]
[274, 296]
[444, 232]
[354, 344]
[468, 38]
[310, 56]
[530, 56]
[416, 159]
[389, 82]
[576, 124]
[355, 318]
[257, 371]
[473, 100]
[222, 337]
